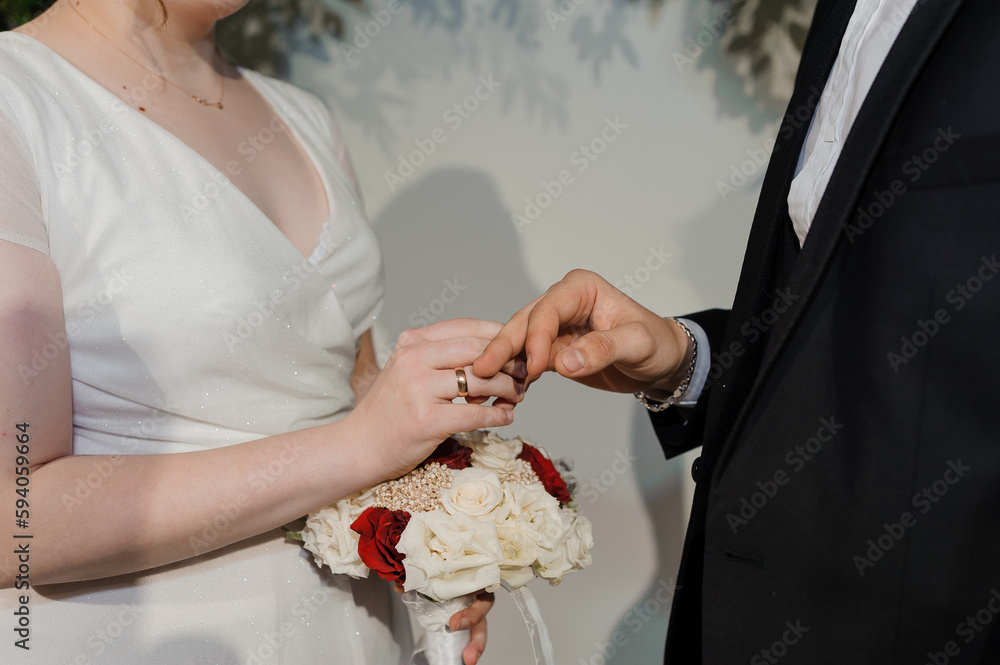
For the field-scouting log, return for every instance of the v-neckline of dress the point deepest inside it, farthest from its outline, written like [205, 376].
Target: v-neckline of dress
[249, 76]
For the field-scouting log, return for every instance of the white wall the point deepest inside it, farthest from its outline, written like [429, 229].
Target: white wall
[654, 187]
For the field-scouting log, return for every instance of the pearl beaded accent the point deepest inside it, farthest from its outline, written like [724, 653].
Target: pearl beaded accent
[417, 492]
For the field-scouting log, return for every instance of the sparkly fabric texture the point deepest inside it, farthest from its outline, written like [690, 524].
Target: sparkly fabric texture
[193, 323]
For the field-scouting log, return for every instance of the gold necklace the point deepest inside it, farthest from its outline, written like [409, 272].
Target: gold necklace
[200, 100]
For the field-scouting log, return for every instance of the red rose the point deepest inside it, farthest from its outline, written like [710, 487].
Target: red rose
[380, 530]
[546, 471]
[452, 454]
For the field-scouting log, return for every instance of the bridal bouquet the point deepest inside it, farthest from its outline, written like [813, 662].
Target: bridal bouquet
[481, 511]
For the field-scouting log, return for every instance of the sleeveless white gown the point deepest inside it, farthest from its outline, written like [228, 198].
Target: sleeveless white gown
[193, 323]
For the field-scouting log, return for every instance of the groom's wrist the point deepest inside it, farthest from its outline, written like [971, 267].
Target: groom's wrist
[680, 374]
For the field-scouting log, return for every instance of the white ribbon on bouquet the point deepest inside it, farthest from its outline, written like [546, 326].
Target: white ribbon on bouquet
[442, 646]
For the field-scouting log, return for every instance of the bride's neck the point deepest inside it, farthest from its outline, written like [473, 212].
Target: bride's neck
[184, 43]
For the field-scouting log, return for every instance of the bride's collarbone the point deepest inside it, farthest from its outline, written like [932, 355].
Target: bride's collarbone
[248, 143]
[276, 175]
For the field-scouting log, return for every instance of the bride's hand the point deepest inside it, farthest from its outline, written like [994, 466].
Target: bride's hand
[472, 618]
[409, 411]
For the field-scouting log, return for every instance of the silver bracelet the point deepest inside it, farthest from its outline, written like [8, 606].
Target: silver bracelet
[657, 406]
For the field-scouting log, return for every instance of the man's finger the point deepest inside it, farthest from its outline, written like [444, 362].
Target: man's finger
[565, 305]
[506, 345]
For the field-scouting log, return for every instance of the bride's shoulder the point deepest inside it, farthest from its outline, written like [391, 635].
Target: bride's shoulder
[29, 68]
[289, 98]
[18, 52]
[25, 70]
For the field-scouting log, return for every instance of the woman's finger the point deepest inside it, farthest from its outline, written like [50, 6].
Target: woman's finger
[458, 328]
[474, 613]
[454, 418]
[443, 354]
[517, 368]
[446, 385]
[477, 644]
[474, 618]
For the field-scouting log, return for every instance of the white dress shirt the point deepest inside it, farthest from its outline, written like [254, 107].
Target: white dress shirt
[870, 34]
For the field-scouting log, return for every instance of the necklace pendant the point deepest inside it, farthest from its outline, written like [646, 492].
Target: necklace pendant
[218, 105]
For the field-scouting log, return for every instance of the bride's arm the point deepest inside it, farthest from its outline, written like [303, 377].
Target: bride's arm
[144, 511]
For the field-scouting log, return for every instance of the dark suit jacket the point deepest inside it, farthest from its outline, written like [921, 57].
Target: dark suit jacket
[848, 500]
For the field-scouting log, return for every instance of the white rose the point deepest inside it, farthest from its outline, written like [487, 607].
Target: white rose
[474, 492]
[328, 535]
[536, 512]
[579, 541]
[517, 576]
[519, 553]
[489, 451]
[449, 555]
[570, 555]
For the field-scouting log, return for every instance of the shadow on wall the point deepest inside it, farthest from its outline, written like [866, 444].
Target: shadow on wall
[714, 243]
[450, 251]
[640, 635]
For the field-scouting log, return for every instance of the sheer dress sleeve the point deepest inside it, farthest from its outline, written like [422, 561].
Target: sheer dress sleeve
[21, 219]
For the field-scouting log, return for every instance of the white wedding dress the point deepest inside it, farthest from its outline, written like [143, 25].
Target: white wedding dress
[193, 323]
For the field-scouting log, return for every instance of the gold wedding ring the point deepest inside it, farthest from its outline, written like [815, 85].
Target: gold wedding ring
[463, 382]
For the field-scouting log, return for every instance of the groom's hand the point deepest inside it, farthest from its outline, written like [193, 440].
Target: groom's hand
[587, 330]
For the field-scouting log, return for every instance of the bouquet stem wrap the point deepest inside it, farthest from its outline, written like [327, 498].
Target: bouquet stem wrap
[439, 645]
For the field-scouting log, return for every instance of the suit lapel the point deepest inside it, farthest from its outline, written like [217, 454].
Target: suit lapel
[925, 26]
[756, 286]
